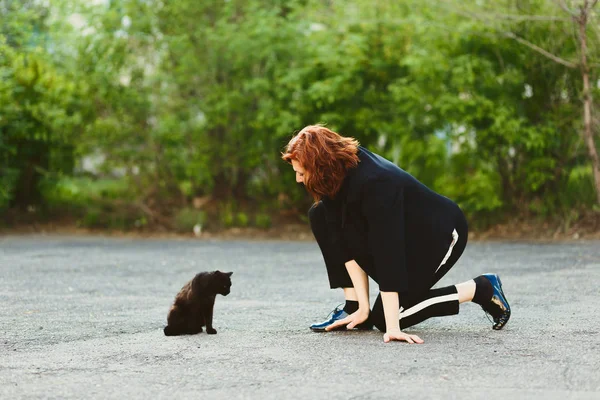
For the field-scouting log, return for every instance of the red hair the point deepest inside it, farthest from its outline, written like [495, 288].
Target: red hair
[325, 156]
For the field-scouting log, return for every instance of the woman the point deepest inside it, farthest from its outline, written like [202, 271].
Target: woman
[371, 218]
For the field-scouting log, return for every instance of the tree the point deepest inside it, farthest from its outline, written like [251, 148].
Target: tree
[580, 12]
[38, 104]
[581, 19]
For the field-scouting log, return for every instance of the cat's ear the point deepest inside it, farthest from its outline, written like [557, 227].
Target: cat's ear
[228, 273]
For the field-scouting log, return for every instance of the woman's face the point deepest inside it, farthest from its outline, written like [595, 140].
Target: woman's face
[299, 171]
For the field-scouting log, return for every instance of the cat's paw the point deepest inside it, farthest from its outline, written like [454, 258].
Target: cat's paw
[211, 331]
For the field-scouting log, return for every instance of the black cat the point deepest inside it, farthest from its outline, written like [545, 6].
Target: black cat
[193, 306]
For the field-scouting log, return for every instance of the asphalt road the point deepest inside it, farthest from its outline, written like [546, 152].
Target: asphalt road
[82, 317]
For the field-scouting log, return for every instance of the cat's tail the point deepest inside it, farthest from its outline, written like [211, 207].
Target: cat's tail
[170, 331]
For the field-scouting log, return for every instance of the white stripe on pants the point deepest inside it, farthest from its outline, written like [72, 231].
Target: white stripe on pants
[431, 301]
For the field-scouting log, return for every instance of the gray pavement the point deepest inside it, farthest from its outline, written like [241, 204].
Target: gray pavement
[82, 317]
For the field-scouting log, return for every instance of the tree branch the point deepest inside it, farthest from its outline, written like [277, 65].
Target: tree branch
[520, 17]
[540, 50]
[514, 17]
[522, 41]
[563, 5]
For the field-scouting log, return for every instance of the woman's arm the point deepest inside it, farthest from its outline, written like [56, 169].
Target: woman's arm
[383, 208]
[360, 281]
[391, 310]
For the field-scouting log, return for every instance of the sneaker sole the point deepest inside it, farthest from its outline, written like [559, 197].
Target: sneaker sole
[499, 327]
[341, 328]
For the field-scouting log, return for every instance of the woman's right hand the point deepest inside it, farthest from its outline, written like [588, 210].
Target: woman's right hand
[401, 336]
[351, 320]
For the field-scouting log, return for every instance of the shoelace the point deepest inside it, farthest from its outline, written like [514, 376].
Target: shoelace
[490, 318]
[336, 309]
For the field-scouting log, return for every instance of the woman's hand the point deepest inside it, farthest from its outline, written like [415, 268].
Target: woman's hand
[401, 336]
[351, 320]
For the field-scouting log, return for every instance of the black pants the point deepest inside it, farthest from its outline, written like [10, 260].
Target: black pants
[415, 306]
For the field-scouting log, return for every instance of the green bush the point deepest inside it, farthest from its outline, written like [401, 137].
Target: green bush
[111, 217]
[98, 203]
[92, 218]
[227, 215]
[63, 192]
[186, 218]
[478, 117]
[262, 221]
[580, 187]
[241, 219]
[8, 180]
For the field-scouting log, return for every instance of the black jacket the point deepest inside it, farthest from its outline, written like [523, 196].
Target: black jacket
[396, 228]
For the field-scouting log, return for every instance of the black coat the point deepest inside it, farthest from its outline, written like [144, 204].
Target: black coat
[396, 228]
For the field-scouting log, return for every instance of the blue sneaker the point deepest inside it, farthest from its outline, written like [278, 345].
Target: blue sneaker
[336, 315]
[498, 307]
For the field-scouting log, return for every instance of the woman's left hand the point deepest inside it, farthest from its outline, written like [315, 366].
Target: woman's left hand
[401, 336]
[351, 320]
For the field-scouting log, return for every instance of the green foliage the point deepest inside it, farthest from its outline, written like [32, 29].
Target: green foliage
[242, 219]
[227, 215]
[108, 216]
[103, 203]
[580, 190]
[187, 218]
[40, 104]
[186, 99]
[262, 221]
[60, 192]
